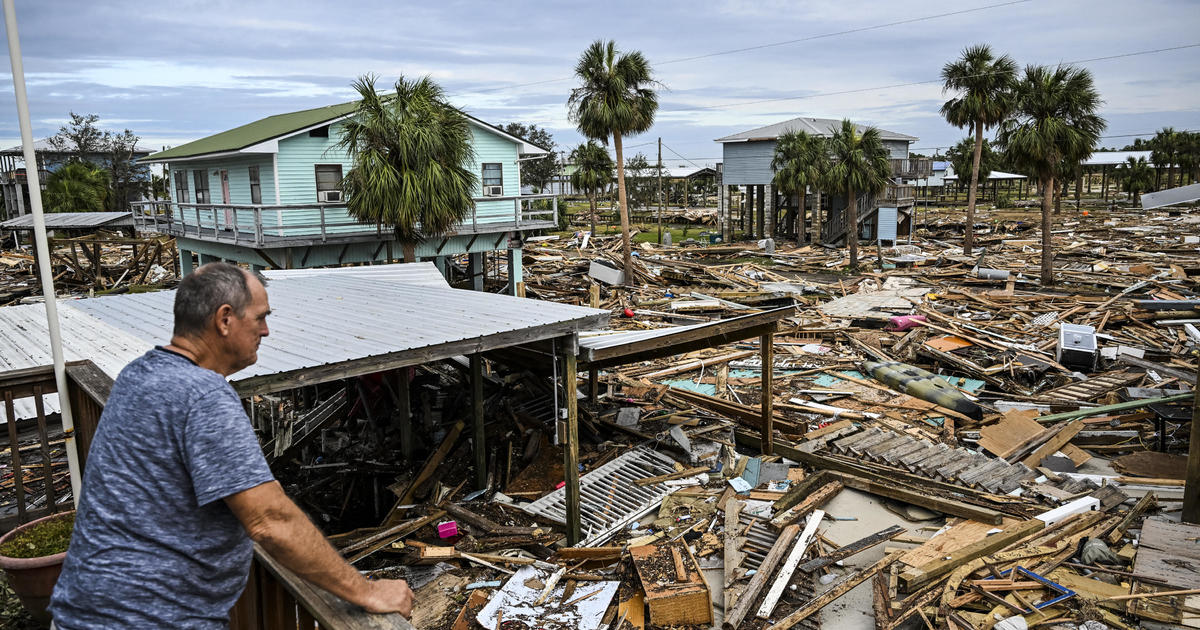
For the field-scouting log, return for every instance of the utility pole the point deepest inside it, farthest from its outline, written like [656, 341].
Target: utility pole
[660, 196]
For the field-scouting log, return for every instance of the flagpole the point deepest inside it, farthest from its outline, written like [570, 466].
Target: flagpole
[41, 246]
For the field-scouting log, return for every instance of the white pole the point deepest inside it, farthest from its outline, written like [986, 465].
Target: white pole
[40, 243]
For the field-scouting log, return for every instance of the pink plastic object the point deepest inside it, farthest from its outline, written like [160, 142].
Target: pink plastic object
[901, 323]
[448, 529]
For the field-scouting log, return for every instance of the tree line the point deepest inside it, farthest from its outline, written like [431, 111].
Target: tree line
[100, 172]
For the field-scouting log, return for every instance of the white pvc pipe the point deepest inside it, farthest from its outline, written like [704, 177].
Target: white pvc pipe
[41, 246]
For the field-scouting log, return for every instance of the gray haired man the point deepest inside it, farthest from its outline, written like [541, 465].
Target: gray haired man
[176, 485]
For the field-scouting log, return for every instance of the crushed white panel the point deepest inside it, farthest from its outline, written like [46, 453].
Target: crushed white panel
[608, 498]
[1171, 196]
[516, 598]
[1078, 506]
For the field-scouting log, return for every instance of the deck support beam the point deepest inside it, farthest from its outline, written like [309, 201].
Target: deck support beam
[567, 348]
[1191, 492]
[767, 351]
[475, 269]
[476, 363]
[515, 278]
[186, 265]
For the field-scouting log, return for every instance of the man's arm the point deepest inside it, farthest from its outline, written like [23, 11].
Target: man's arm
[275, 522]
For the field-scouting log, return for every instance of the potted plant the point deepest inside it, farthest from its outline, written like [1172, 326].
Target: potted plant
[32, 556]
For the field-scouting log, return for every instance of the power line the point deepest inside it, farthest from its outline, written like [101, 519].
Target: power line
[914, 83]
[776, 44]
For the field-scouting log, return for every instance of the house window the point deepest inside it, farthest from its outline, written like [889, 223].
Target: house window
[493, 174]
[319, 132]
[329, 177]
[255, 186]
[181, 189]
[201, 178]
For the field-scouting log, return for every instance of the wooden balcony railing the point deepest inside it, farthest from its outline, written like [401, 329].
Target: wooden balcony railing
[37, 480]
[274, 598]
[912, 167]
[278, 225]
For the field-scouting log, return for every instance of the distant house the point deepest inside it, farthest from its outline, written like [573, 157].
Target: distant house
[268, 194]
[13, 182]
[746, 166]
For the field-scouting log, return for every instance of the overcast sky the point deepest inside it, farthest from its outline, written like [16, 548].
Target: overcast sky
[176, 71]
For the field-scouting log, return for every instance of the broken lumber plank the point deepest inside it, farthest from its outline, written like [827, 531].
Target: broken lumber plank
[805, 487]
[486, 524]
[814, 501]
[1052, 445]
[734, 616]
[846, 551]
[1106, 409]
[837, 590]
[1131, 517]
[388, 536]
[690, 472]
[427, 470]
[789, 565]
[914, 577]
[935, 503]
[590, 553]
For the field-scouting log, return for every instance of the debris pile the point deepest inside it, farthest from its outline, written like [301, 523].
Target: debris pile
[99, 263]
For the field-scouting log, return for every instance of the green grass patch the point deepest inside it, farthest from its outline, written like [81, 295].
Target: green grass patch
[44, 539]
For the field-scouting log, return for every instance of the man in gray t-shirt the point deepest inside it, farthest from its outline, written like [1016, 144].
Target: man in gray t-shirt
[176, 485]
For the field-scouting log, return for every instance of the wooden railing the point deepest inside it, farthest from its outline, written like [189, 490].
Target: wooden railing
[261, 226]
[274, 597]
[896, 195]
[37, 480]
[911, 167]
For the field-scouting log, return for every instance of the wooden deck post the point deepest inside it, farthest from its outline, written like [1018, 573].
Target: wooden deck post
[476, 364]
[767, 351]
[571, 440]
[404, 412]
[1191, 491]
[593, 385]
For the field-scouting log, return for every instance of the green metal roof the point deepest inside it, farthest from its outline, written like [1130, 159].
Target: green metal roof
[255, 132]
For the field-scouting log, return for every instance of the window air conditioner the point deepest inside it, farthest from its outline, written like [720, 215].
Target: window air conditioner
[493, 191]
[329, 196]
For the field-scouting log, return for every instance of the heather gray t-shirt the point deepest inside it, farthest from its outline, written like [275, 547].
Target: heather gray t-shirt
[154, 544]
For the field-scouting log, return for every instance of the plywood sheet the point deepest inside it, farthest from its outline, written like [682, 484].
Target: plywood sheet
[1013, 430]
[957, 537]
[947, 343]
[1169, 551]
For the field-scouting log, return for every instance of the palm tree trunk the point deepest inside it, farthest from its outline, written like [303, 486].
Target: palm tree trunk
[852, 229]
[410, 251]
[623, 210]
[801, 221]
[817, 237]
[1047, 255]
[592, 202]
[969, 237]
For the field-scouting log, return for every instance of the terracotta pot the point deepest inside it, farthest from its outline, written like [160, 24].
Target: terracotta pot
[32, 579]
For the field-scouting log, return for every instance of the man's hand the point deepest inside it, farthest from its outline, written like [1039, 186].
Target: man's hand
[390, 596]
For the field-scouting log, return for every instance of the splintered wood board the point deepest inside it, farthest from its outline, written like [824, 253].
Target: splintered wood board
[1014, 430]
[516, 598]
[674, 584]
[1170, 552]
[951, 540]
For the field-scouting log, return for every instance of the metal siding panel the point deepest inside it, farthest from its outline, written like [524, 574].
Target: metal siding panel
[748, 163]
[887, 224]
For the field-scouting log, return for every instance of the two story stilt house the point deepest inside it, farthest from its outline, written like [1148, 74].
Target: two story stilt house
[267, 194]
[751, 206]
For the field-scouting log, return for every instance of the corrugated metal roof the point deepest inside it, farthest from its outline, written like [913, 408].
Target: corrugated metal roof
[72, 220]
[317, 319]
[824, 127]
[1171, 196]
[423, 274]
[993, 175]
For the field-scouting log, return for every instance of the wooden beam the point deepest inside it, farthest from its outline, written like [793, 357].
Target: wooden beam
[733, 618]
[711, 335]
[812, 502]
[846, 551]
[841, 588]
[571, 445]
[766, 347]
[789, 566]
[1191, 493]
[480, 438]
[427, 470]
[914, 577]
[1052, 445]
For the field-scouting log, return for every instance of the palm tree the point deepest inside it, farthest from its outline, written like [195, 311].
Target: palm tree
[408, 151]
[615, 97]
[76, 187]
[1164, 150]
[1136, 176]
[1054, 120]
[1189, 156]
[593, 172]
[800, 161]
[983, 84]
[860, 165]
